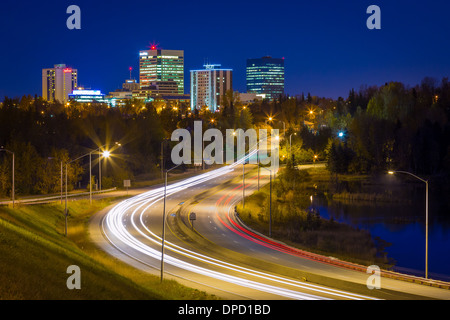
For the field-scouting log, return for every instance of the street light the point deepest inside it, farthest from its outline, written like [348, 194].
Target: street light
[164, 221]
[426, 214]
[290, 143]
[243, 170]
[90, 178]
[106, 154]
[270, 200]
[13, 169]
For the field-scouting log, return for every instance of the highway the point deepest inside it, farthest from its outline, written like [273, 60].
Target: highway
[219, 255]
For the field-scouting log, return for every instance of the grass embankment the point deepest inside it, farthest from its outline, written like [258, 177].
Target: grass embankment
[294, 224]
[35, 254]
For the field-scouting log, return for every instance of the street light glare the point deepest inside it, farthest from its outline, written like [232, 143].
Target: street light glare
[390, 172]
[106, 154]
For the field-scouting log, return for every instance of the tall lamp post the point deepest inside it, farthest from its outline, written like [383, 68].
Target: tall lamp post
[13, 169]
[270, 200]
[105, 154]
[164, 221]
[243, 169]
[426, 215]
[290, 143]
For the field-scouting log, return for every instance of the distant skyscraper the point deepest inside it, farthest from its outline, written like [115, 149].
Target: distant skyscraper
[58, 83]
[266, 76]
[209, 85]
[161, 65]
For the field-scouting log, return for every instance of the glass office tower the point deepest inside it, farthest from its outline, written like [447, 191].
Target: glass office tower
[161, 65]
[266, 76]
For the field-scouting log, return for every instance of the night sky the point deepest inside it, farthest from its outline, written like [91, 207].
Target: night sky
[326, 45]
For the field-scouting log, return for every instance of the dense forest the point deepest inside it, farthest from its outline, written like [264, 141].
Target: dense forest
[374, 129]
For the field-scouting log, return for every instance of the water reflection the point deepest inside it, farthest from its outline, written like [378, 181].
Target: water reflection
[403, 226]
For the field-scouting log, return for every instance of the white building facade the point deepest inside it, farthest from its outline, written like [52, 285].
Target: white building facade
[209, 85]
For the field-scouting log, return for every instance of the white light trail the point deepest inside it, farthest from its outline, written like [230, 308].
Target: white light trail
[120, 235]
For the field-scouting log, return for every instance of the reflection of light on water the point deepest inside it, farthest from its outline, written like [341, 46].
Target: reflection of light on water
[403, 227]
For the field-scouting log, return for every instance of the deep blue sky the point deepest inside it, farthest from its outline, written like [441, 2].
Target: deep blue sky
[327, 48]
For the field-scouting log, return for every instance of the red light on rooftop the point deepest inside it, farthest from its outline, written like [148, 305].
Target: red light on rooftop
[67, 70]
[153, 47]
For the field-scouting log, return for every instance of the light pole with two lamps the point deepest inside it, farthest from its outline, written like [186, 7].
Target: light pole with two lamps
[106, 154]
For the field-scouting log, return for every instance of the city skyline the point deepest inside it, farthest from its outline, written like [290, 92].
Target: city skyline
[324, 59]
[238, 150]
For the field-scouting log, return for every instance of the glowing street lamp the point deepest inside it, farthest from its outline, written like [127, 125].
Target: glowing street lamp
[107, 154]
[426, 214]
[290, 143]
[269, 119]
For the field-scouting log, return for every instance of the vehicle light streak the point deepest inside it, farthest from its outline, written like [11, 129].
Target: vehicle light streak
[119, 235]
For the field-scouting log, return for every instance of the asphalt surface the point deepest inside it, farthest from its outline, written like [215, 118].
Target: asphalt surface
[216, 253]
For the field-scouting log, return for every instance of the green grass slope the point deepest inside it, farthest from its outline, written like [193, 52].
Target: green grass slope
[35, 255]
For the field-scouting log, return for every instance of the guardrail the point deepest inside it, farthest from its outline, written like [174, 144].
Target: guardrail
[345, 264]
[53, 198]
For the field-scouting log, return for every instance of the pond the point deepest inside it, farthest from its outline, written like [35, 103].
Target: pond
[402, 224]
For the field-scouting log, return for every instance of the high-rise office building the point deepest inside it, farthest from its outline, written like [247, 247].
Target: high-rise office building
[58, 83]
[266, 76]
[161, 65]
[209, 85]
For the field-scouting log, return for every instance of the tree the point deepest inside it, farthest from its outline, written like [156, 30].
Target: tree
[245, 120]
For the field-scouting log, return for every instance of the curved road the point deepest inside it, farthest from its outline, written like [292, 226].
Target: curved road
[219, 255]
